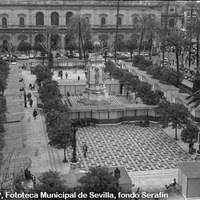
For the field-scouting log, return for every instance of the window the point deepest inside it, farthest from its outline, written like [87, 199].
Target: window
[40, 18]
[103, 21]
[4, 21]
[21, 21]
[119, 21]
[55, 19]
[68, 17]
[171, 23]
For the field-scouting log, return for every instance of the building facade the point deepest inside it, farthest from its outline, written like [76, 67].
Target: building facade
[27, 19]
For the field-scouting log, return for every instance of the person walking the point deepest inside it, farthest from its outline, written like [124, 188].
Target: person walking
[31, 102]
[35, 113]
[85, 149]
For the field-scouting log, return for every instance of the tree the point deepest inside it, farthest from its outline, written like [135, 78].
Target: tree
[80, 30]
[88, 45]
[141, 25]
[196, 84]
[2, 82]
[71, 45]
[24, 46]
[177, 39]
[98, 180]
[142, 89]
[60, 134]
[175, 114]
[151, 98]
[190, 132]
[49, 44]
[49, 90]
[42, 72]
[131, 45]
[50, 182]
[129, 80]
[154, 70]
[9, 48]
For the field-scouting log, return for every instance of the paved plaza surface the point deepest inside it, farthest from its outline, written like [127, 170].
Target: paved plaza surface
[150, 154]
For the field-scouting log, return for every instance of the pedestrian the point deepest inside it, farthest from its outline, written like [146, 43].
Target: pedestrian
[30, 86]
[85, 149]
[31, 102]
[78, 78]
[29, 95]
[35, 113]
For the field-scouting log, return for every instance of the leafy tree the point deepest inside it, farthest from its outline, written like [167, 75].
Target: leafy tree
[130, 80]
[131, 45]
[137, 59]
[8, 48]
[154, 70]
[2, 82]
[98, 180]
[151, 98]
[71, 45]
[49, 90]
[88, 45]
[24, 46]
[42, 72]
[190, 132]
[175, 114]
[50, 182]
[143, 64]
[142, 89]
[60, 134]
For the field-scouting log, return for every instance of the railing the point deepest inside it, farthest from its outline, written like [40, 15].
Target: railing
[74, 2]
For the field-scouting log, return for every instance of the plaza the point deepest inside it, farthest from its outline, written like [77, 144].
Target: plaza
[95, 107]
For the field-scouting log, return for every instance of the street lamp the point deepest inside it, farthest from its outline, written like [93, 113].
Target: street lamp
[117, 176]
[198, 151]
[74, 130]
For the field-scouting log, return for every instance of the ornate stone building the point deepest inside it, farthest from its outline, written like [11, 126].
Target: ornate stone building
[26, 19]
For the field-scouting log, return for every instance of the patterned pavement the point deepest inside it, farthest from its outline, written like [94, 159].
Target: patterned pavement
[128, 145]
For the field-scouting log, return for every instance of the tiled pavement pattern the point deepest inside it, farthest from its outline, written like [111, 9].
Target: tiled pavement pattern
[136, 148]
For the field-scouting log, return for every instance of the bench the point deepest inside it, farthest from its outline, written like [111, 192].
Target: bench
[177, 188]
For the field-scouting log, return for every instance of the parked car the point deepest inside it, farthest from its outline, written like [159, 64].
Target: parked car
[23, 57]
[31, 56]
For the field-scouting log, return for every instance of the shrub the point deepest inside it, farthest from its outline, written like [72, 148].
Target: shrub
[142, 89]
[137, 59]
[154, 70]
[190, 132]
[151, 98]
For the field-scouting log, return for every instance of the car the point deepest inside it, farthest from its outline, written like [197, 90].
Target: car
[23, 57]
[31, 56]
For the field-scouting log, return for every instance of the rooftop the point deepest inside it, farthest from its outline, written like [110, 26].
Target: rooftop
[190, 169]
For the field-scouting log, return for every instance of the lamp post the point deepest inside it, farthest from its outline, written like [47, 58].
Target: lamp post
[117, 176]
[74, 130]
[198, 151]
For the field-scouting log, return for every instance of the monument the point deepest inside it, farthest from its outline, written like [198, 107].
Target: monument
[95, 92]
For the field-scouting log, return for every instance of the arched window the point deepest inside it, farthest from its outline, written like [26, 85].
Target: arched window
[54, 18]
[4, 21]
[5, 42]
[119, 21]
[21, 21]
[103, 21]
[68, 17]
[40, 18]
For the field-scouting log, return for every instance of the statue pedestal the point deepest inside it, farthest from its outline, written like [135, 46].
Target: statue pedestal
[74, 167]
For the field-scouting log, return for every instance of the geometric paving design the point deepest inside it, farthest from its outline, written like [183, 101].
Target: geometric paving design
[136, 148]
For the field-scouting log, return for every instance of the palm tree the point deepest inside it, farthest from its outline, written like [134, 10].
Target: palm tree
[49, 45]
[141, 25]
[79, 29]
[154, 25]
[192, 7]
[9, 48]
[177, 39]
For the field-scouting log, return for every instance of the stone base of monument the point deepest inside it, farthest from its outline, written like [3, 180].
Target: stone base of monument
[95, 97]
[74, 167]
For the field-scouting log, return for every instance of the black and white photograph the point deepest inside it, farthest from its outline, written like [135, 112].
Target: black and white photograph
[99, 99]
